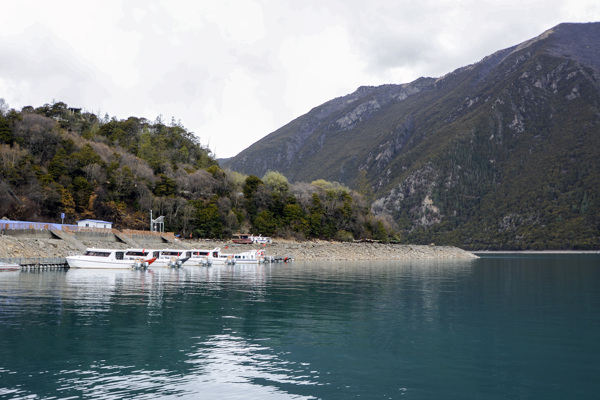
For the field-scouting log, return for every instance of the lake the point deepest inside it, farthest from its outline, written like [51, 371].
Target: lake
[505, 326]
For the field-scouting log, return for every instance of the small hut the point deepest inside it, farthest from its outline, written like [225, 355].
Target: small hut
[94, 223]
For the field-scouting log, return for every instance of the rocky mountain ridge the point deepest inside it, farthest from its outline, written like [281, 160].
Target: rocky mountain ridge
[500, 153]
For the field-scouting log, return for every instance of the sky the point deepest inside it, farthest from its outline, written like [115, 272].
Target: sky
[233, 71]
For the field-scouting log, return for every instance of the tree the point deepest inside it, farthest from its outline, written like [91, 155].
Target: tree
[251, 185]
[315, 228]
[81, 191]
[166, 187]
[265, 223]
[295, 217]
[208, 222]
[276, 182]
[6, 134]
[57, 166]
[86, 156]
[66, 201]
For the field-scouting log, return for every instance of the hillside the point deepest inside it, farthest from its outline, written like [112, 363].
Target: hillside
[56, 159]
[500, 154]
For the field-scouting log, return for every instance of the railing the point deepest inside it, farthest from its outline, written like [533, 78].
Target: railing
[4, 224]
[148, 233]
[76, 228]
[34, 225]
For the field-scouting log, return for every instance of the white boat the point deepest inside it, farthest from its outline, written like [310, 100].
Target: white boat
[198, 258]
[172, 258]
[101, 258]
[217, 258]
[9, 267]
[142, 257]
[261, 239]
[250, 257]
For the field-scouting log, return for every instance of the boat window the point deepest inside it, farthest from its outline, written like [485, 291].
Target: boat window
[96, 253]
[119, 255]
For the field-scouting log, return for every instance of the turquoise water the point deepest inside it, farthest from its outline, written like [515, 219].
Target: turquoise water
[501, 327]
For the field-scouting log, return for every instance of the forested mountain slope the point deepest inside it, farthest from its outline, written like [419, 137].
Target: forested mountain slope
[501, 154]
[55, 159]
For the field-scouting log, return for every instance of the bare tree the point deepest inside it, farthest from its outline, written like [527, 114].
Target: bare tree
[39, 135]
[94, 173]
[144, 196]
[3, 107]
[187, 217]
[10, 156]
[140, 168]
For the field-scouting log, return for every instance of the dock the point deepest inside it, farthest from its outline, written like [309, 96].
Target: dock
[38, 263]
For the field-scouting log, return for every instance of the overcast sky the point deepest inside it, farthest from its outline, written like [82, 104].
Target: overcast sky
[234, 71]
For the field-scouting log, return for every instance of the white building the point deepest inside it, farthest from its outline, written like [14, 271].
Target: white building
[94, 223]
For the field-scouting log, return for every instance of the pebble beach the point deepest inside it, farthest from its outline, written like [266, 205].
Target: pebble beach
[11, 246]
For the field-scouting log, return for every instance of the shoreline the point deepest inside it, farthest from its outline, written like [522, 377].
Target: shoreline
[536, 251]
[313, 250]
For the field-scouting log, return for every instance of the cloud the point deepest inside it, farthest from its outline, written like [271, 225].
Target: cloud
[232, 71]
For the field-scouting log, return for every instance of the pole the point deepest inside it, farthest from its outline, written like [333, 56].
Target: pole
[151, 228]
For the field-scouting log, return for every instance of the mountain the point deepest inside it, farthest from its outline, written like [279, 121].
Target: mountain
[500, 154]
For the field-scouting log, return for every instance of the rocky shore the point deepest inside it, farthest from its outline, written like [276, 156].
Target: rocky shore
[326, 250]
[11, 246]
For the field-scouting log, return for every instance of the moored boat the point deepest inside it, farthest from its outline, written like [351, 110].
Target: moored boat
[9, 267]
[261, 239]
[216, 257]
[250, 257]
[101, 258]
[142, 257]
[198, 258]
[171, 258]
[242, 238]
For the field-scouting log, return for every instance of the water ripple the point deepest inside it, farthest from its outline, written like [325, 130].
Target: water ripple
[490, 329]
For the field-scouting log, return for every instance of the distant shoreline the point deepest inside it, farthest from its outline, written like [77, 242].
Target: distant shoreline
[317, 250]
[37, 245]
[535, 251]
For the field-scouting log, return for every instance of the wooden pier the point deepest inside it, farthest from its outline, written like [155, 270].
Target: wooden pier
[38, 263]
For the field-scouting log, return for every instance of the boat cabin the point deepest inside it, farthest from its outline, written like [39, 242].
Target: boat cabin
[242, 238]
[118, 255]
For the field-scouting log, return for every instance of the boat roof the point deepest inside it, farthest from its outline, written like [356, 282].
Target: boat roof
[101, 249]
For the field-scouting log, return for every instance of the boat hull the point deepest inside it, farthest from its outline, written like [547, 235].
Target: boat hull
[198, 262]
[80, 262]
[222, 261]
[9, 267]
